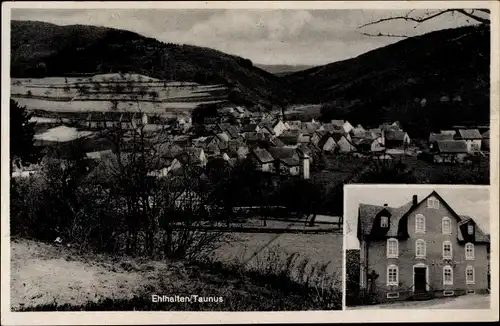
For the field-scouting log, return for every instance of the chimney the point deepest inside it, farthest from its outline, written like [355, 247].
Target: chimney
[415, 200]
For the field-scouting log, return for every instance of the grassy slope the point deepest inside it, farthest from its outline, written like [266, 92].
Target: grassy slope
[46, 277]
[377, 85]
[42, 48]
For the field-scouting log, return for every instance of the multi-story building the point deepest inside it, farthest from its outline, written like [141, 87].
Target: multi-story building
[422, 249]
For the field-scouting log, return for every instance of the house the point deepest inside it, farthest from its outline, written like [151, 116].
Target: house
[472, 137]
[344, 124]
[327, 143]
[422, 249]
[344, 145]
[318, 135]
[263, 160]
[450, 151]
[193, 156]
[255, 139]
[486, 140]
[250, 128]
[290, 161]
[290, 138]
[368, 145]
[433, 138]
[396, 139]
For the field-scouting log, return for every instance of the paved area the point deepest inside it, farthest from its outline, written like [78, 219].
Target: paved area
[470, 301]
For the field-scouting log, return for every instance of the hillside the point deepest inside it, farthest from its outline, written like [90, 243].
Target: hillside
[283, 70]
[389, 83]
[42, 49]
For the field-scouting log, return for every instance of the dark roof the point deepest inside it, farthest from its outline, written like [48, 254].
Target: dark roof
[367, 214]
[479, 235]
[338, 123]
[190, 155]
[278, 142]
[323, 140]
[282, 152]
[469, 134]
[435, 137]
[290, 161]
[249, 128]
[452, 146]
[395, 135]
[262, 155]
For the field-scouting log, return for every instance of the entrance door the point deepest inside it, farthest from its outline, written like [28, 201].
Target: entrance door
[420, 279]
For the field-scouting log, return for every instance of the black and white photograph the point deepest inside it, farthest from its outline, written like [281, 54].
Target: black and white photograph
[417, 247]
[195, 156]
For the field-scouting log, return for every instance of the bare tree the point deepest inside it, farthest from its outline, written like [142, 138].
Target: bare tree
[479, 16]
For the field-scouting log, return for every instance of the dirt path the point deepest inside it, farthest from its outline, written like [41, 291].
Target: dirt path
[42, 274]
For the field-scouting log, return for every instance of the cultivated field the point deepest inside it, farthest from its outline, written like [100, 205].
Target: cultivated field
[106, 92]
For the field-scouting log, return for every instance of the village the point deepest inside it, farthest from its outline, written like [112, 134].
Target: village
[274, 144]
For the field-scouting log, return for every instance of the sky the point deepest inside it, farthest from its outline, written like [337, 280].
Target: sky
[472, 201]
[277, 36]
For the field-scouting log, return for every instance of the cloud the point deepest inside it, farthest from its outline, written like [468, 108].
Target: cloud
[264, 36]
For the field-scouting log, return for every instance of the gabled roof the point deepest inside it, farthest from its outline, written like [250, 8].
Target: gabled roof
[249, 128]
[278, 142]
[452, 146]
[469, 134]
[433, 137]
[262, 155]
[367, 214]
[479, 235]
[282, 152]
[290, 162]
[338, 122]
[324, 140]
[486, 134]
[190, 155]
[395, 135]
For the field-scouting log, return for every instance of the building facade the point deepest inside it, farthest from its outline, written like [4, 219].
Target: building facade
[420, 250]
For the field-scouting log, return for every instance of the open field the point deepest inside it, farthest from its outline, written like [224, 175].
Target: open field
[254, 249]
[102, 106]
[50, 276]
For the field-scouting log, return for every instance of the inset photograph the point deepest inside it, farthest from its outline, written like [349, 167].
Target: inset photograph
[417, 246]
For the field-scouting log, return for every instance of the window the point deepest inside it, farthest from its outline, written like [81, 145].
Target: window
[384, 221]
[432, 203]
[419, 223]
[446, 225]
[392, 275]
[469, 275]
[392, 295]
[447, 250]
[420, 248]
[392, 248]
[470, 229]
[447, 275]
[469, 251]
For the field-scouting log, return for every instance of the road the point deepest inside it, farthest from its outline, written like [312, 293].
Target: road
[470, 301]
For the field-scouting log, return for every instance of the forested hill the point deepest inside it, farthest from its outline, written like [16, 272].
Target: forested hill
[43, 49]
[389, 83]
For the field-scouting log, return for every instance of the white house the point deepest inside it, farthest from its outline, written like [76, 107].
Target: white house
[472, 137]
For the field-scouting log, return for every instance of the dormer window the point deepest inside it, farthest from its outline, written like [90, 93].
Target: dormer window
[470, 229]
[384, 221]
[432, 203]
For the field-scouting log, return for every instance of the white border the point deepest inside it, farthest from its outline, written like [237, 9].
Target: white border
[129, 318]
